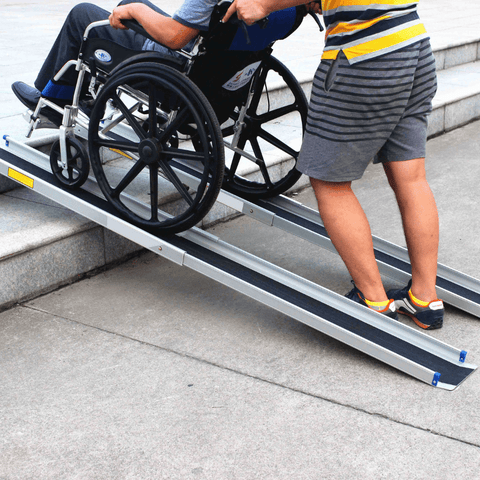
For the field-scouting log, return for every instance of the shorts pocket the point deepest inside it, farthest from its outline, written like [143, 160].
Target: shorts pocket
[331, 74]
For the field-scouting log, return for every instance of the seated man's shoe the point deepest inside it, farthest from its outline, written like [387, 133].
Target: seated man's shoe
[28, 95]
[427, 315]
[386, 308]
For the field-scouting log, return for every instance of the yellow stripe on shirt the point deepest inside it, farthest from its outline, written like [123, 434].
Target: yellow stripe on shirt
[369, 28]
[384, 42]
[332, 4]
[353, 27]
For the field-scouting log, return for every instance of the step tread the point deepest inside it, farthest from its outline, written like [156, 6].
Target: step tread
[458, 82]
[29, 220]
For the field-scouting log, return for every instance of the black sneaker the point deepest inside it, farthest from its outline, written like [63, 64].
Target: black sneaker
[357, 296]
[427, 315]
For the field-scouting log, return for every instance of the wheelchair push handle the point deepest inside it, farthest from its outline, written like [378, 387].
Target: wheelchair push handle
[263, 22]
[317, 20]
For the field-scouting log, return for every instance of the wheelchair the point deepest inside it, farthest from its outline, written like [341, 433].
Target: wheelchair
[160, 125]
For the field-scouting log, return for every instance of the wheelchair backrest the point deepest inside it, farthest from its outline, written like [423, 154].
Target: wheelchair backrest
[237, 36]
[231, 53]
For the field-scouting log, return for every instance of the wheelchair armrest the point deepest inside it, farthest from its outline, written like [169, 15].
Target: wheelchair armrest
[131, 24]
[137, 28]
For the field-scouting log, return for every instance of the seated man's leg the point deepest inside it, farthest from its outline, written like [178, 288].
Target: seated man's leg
[67, 46]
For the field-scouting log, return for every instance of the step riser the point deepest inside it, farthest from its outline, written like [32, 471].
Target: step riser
[455, 56]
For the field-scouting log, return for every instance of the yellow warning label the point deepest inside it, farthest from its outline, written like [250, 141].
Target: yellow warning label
[20, 177]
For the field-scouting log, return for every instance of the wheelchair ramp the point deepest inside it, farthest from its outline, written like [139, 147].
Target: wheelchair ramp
[391, 342]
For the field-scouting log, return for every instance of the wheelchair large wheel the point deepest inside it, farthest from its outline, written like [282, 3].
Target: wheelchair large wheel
[156, 148]
[259, 143]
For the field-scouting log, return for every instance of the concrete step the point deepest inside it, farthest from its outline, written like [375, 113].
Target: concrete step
[43, 245]
[458, 97]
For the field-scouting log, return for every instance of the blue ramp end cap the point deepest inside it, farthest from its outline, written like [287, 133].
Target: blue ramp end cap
[463, 356]
[436, 378]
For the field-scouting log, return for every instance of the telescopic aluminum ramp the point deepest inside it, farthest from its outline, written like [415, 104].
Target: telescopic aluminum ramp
[391, 342]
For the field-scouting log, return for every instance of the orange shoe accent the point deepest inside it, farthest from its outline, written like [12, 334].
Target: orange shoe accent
[420, 324]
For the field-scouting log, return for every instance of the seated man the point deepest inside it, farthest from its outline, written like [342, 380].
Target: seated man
[175, 32]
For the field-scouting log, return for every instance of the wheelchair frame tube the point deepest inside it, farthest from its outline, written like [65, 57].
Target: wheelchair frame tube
[100, 23]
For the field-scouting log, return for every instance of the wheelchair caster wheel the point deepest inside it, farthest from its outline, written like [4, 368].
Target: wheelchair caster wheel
[76, 173]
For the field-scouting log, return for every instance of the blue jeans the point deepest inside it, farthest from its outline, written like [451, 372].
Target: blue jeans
[68, 42]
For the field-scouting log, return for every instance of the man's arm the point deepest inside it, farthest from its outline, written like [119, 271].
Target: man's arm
[164, 30]
[250, 11]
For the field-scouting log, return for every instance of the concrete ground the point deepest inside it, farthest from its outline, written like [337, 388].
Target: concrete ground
[151, 371]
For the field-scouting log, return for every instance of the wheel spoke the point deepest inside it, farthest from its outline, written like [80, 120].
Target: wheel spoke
[74, 156]
[172, 176]
[129, 117]
[236, 159]
[277, 143]
[128, 179]
[260, 81]
[181, 154]
[177, 122]
[117, 145]
[154, 192]
[261, 162]
[152, 112]
[277, 113]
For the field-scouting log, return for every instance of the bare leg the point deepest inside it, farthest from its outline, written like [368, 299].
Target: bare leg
[420, 222]
[349, 230]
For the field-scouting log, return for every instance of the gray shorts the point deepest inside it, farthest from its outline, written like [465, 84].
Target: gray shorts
[373, 110]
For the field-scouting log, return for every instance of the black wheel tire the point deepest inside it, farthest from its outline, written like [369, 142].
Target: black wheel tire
[156, 148]
[266, 188]
[78, 167]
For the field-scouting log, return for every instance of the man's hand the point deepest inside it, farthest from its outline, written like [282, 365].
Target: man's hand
[118, 14]
[314, 7]
[164, 30]
[250, 11]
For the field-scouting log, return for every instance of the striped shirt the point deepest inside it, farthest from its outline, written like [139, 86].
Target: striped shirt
[365, 29]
